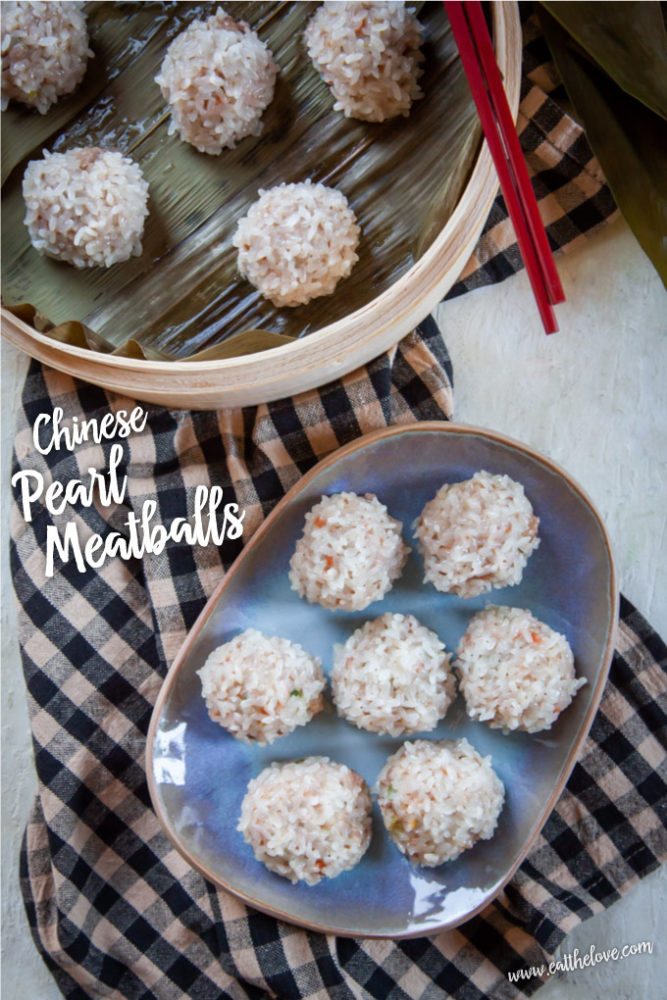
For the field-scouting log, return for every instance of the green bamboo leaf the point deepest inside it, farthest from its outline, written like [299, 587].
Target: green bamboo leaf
[247, 342]
[133, 349]
[72, 332]
[629, 140]
[627, 40]
[76, 334]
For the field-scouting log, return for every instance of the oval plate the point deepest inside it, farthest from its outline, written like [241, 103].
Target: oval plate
[198, 774]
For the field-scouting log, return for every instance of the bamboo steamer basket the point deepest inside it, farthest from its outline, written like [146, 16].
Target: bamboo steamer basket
[334, 349]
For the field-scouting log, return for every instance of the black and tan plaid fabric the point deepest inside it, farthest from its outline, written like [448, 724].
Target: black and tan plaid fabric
[114, 910]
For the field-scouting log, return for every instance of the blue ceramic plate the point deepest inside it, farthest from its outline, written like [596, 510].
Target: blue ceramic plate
[198, 774]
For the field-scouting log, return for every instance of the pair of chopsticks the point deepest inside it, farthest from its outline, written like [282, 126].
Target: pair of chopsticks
[479, 63]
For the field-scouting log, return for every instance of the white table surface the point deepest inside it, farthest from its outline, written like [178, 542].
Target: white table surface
[594, 398]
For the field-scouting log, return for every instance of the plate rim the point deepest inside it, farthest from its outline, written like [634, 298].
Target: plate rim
[334, 349]
[428, 426]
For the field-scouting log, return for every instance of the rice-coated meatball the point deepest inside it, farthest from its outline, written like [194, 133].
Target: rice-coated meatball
[218, 77]
[393, 676]
[307, 820]
[514, 671]
[369, 55]
[350, 553]
[476, 535]
[44, 52]
[260, 687]
[438, 799]
[296, 242]
[86, 207]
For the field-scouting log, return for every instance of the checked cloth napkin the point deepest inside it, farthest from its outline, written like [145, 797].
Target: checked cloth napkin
[114, 909]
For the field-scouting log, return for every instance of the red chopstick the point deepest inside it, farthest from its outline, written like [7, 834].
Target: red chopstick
[482, 38]
[476, 51]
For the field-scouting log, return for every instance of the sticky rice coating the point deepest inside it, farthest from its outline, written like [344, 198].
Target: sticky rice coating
[369, 55]
[217, 77]
[259, 687]
[350, 553]
[438, 799]
[514, 671]
[476, 535]
[392, 676]
[86, 207]
[307, 820]
[296, 242]
[44, 52]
